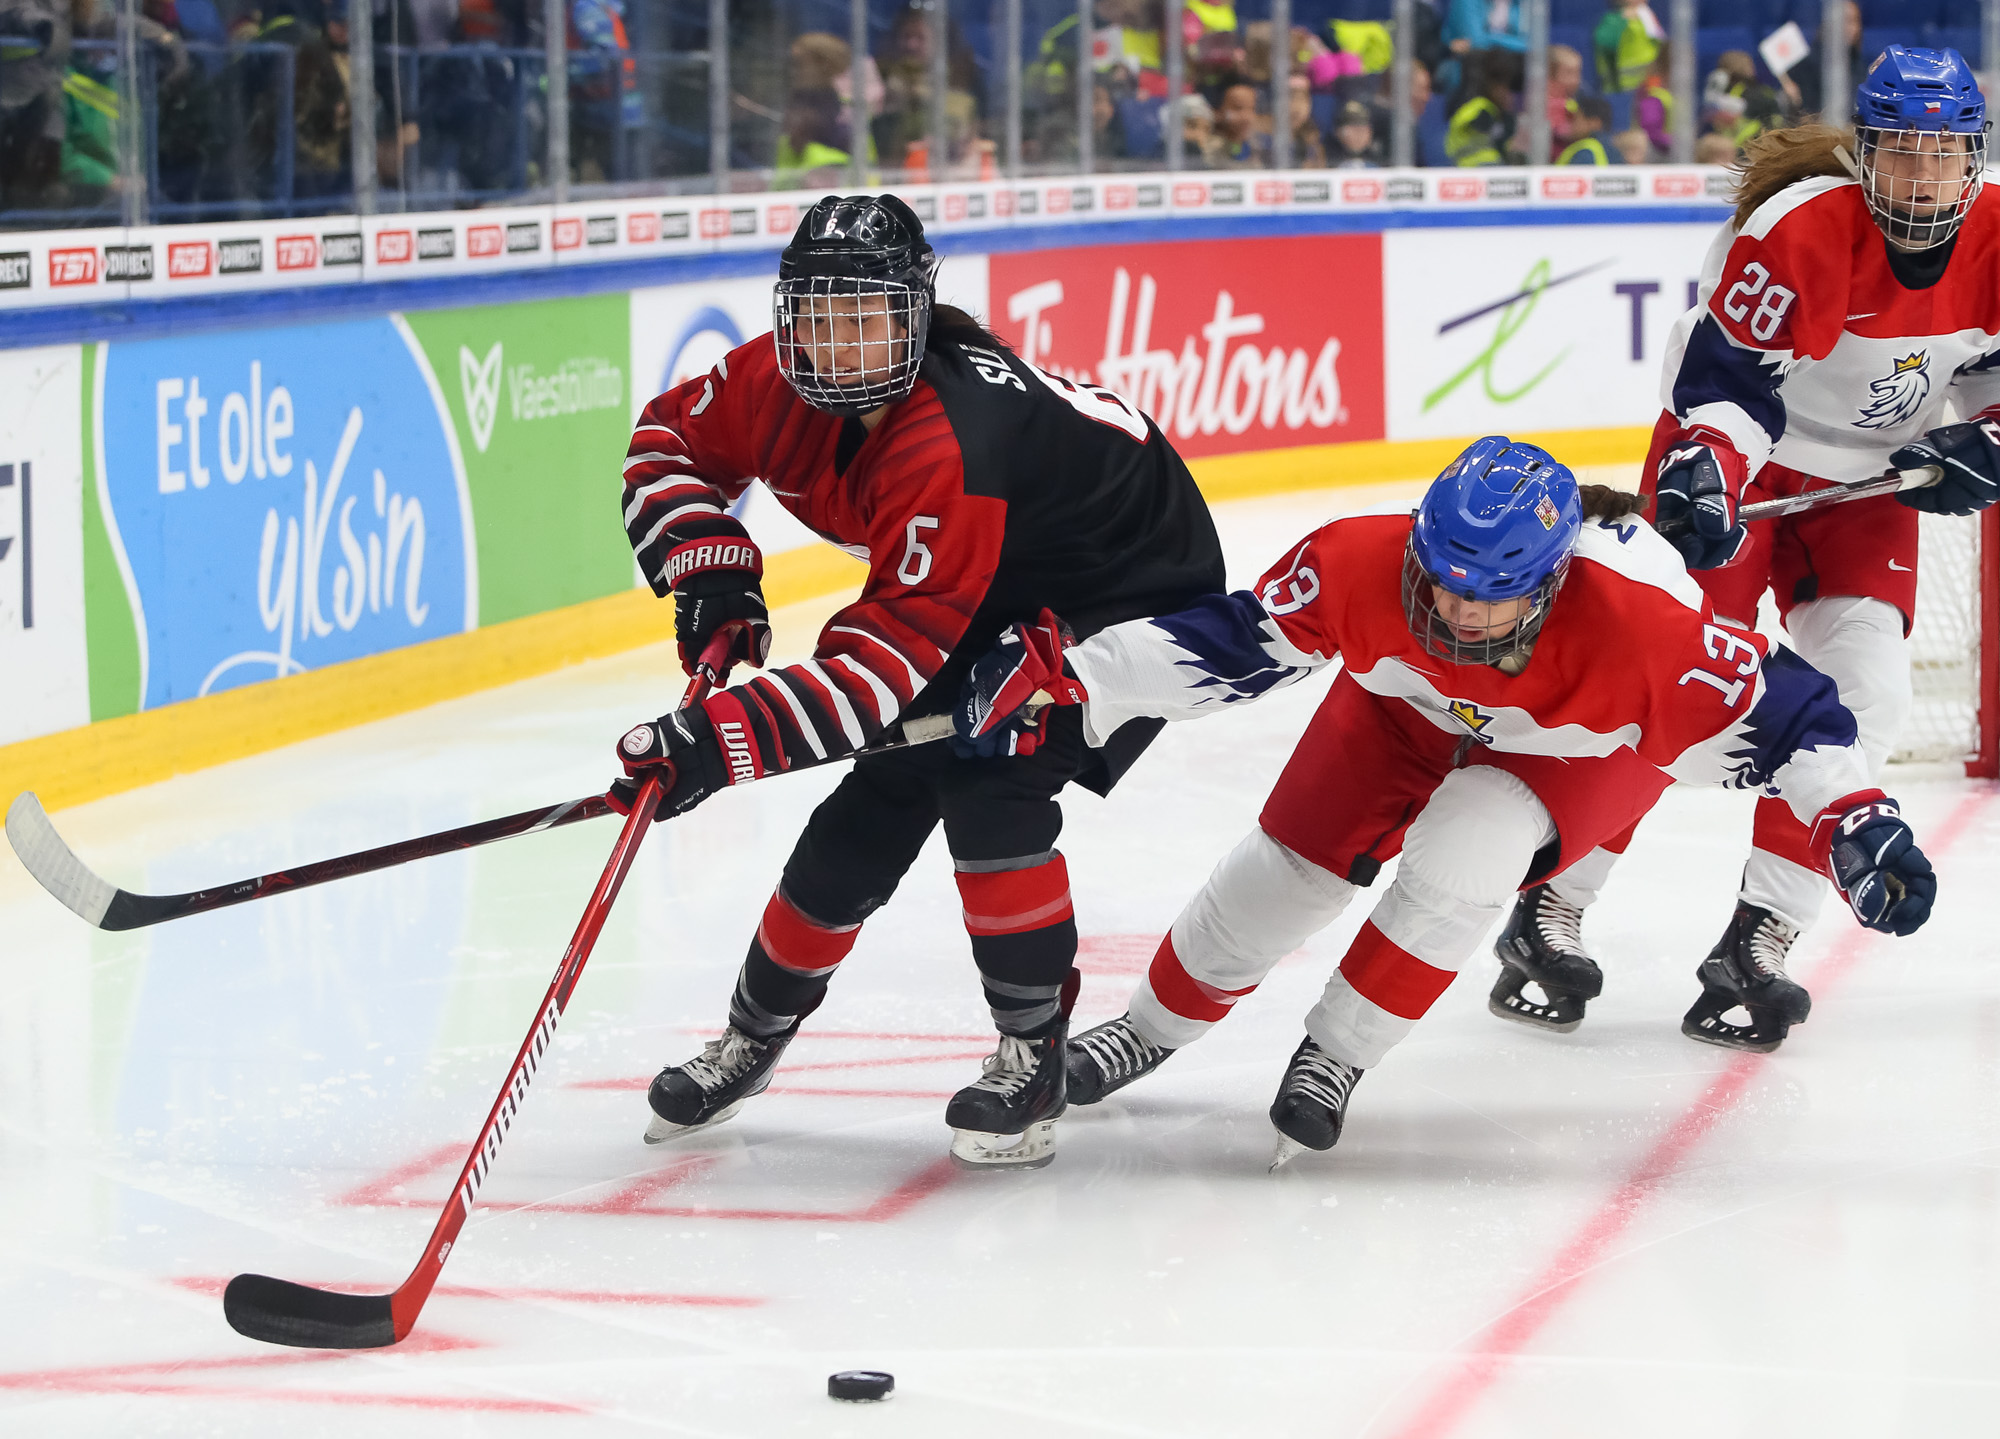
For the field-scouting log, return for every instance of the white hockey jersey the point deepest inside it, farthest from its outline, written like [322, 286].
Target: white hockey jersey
[1806, 350]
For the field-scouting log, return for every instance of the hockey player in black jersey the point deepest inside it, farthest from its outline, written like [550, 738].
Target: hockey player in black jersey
[981, 491]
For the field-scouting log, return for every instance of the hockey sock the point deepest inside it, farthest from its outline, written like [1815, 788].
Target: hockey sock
[1023, 932]
[790, 963]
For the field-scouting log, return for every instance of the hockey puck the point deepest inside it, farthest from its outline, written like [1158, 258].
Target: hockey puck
[859, 1386]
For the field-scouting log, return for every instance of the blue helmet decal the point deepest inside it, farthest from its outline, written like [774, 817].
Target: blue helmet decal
[1912, 87]
[1502, 518]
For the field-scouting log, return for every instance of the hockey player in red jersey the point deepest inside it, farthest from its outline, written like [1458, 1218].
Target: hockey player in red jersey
[1852, 299]
[979, 490]
[1483, 726]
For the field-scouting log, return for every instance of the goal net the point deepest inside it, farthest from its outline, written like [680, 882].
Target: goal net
[1951, 644]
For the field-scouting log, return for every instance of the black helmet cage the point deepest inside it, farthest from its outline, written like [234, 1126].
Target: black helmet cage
[859, 263]
[1915, 215]
[1438, 638]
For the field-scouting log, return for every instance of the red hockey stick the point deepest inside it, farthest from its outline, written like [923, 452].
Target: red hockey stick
[278, 1311]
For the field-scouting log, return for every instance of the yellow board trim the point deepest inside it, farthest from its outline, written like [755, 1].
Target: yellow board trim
[92, 761]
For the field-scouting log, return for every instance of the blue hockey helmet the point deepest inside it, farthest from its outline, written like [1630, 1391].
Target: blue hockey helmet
[1499, 524]
[1920, 123]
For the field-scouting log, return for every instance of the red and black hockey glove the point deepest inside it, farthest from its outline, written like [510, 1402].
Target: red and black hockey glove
[1871, 854]
[1968, 456]
[996, 714]
[727, 739]
[717, 580]
[1701, 480]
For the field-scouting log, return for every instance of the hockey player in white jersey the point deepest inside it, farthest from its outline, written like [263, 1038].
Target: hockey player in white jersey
[1853, 299]
[1482, 727]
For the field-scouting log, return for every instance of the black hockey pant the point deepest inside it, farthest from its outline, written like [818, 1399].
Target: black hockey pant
[1000, 821]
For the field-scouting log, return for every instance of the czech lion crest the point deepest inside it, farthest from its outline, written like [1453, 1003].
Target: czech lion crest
[1898, 395]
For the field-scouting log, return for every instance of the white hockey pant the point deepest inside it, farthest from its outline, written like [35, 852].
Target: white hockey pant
[1463, 860]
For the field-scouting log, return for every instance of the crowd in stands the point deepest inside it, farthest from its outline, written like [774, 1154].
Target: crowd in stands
[460, 95]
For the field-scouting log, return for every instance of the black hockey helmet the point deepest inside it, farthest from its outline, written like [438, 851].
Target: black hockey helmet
[853, 303]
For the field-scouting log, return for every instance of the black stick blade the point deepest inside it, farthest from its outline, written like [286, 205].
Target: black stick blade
[280, 1312]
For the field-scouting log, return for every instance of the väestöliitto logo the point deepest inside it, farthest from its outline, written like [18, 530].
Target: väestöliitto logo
[1513, 313]
[479, 383]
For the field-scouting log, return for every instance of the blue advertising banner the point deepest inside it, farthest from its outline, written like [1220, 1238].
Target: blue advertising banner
[281, 500]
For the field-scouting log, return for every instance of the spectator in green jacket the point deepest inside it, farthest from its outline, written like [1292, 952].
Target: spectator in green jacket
[1587, 126]
[809, 146]
[1627, 41]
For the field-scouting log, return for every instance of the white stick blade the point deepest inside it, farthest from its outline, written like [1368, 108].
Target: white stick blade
[53, 863]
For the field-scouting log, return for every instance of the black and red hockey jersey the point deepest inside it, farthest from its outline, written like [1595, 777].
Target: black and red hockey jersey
[992, 491]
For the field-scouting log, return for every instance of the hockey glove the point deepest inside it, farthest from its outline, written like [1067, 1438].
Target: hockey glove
[717, 581]
[1969, 456]
[1874, 861]
[994, 716]
[726, 739]
[1701, 480]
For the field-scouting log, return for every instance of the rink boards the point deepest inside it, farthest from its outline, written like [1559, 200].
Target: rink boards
[198, 514]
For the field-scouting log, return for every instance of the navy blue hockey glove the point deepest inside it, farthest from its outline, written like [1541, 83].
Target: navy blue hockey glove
[1008, 687]
[718, 580]
[1969, 455]
[1701, 480]
[1874, 860]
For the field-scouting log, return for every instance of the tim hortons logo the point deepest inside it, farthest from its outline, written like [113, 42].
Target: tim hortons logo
[479, 385]
[510, 1105]
[568, 233]
[1461, 187]
[1677, 187]
[189, 260]
[1190, 192]
[1360, 192]
[779, 220]
[714, 224]
[642, 229]
[1273, 192]
[297, 252]
[1214, 382]
[72, 267]
[1565, 187]
[395, 247]
[482, 242]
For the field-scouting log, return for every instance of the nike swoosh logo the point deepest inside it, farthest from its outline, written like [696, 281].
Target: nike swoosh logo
[1906, 569]
[1865, 314]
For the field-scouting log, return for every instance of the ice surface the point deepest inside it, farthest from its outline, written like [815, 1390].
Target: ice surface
[1615, 1232]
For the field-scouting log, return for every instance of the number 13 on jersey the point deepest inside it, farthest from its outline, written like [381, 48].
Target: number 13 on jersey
[1723, 645]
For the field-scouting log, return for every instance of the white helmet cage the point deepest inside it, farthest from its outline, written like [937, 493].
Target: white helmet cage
[850, 345]
[1937, 174]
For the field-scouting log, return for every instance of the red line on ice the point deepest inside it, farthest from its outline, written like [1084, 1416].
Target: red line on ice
[1490, 1355]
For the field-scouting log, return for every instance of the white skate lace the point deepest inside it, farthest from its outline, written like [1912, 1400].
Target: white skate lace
[722, 1060]
[1319, 1076]
[1770, 942]
[1008, 1068]
[1118, 1049]
[1560, 923]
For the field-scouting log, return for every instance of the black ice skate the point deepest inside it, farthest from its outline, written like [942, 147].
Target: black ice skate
[1104, 1060]
[1311, 1102]
[1747, 968]
[714, 1084]
[1543, 945]
[1008, 1116]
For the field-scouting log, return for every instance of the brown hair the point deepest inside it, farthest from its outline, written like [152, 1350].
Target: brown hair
[1780, 158]
[949, 324]
[1601, 502]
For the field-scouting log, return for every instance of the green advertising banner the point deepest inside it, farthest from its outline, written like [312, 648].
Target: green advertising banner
[540, 400]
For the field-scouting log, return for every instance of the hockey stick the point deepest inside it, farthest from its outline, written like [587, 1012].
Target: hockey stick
[278, 1311]
[97, 901]
[1888, 484]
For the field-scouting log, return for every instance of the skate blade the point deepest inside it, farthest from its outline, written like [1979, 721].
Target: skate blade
[1508, 1000]
[1288, 1150]
[1548, 1018]
[1729, 1036]
[659, 1131]
[1031, 1149]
